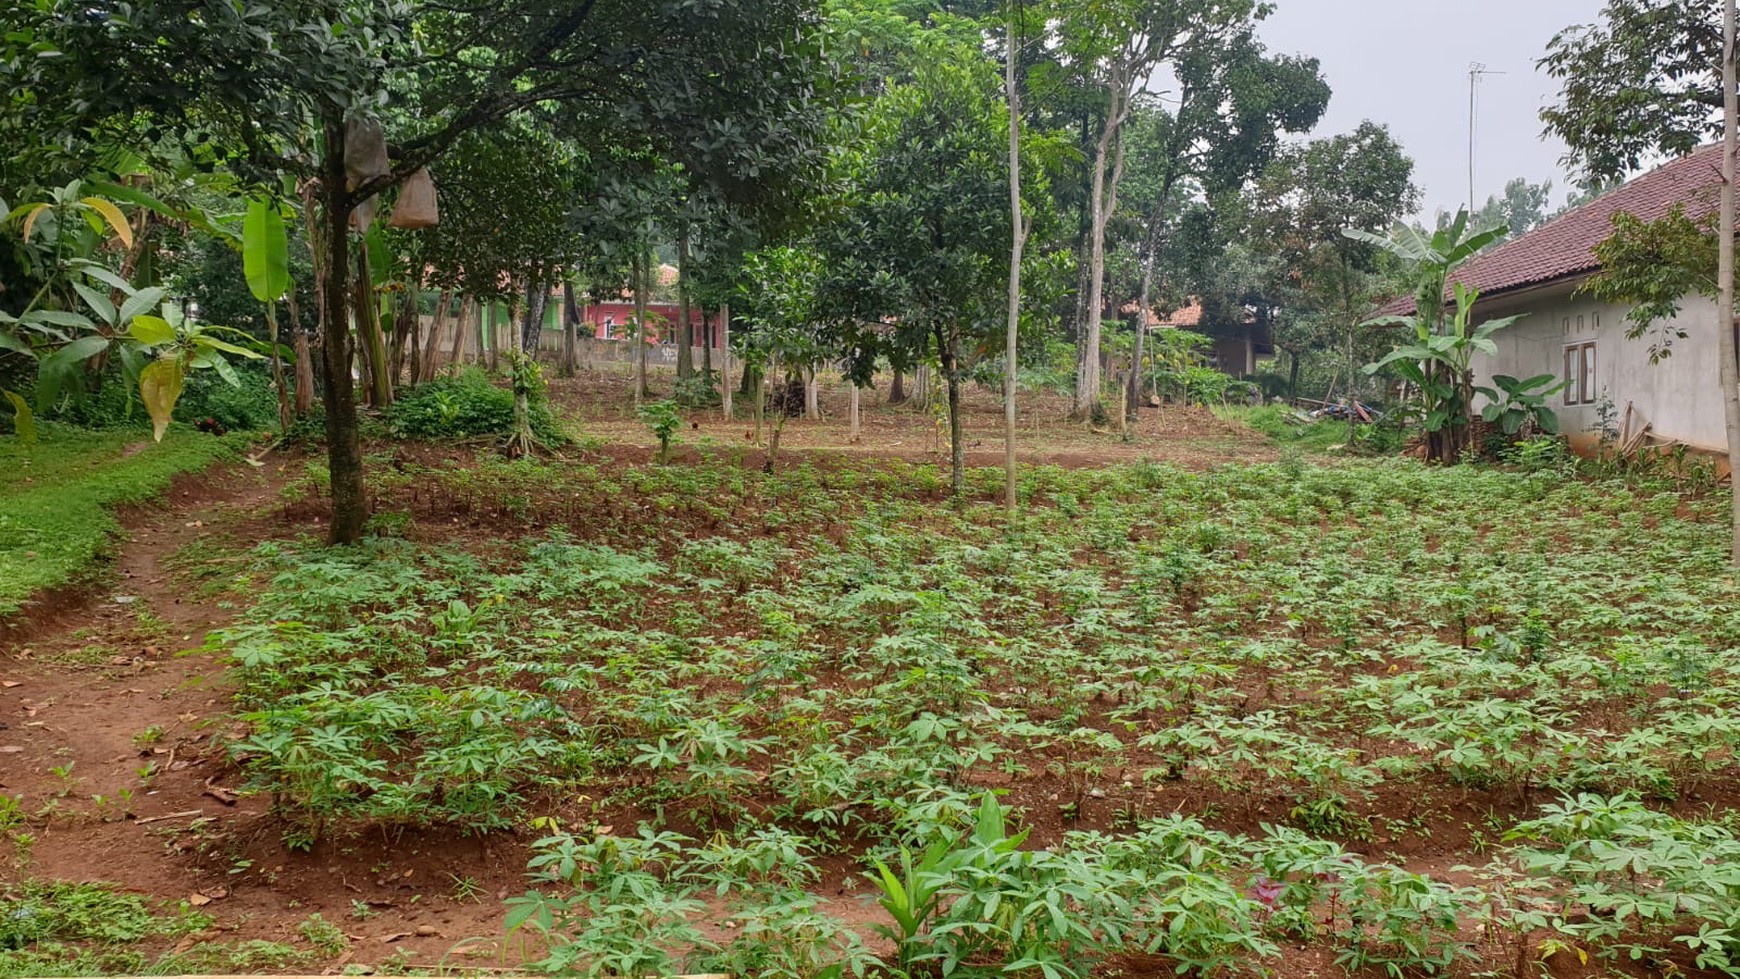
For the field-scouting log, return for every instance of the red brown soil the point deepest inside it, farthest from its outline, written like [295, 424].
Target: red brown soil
[602, 405]
[78, 687]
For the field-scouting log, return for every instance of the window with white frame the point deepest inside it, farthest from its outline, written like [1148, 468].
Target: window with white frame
[1579, 373]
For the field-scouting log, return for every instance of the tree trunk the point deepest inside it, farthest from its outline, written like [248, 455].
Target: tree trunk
[1108, 155]
[278, 367]
[519, 363]
[462, 328]
[1292, 374]
[304, 369]
[952, 381]
[1730, 369]
[812, 394]
[437, 330]
[304, 375]
[641, 276]
[570, 331]
[856, 422]
[532, 329]
[725, 359]
[685, 332]
[707, 335]
[343, 449]
[368, 313]
[1018, 241]
[897, 390]
[1133, 390]
[408, 319]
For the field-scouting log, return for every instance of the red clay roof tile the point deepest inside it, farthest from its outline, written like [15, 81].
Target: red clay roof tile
[1565, 247]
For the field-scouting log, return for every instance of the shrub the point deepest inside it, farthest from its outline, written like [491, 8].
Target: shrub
[466, 406]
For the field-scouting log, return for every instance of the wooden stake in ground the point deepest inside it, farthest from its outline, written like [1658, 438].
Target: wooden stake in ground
[1729, 372]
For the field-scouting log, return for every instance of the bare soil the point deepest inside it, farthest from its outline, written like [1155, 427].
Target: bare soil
[114, 679]
[602, 405]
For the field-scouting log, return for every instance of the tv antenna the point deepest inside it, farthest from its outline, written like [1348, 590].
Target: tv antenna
[1476, 71]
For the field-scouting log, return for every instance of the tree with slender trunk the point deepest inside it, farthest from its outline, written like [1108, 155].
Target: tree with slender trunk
[1018, 240]
[685, 332]
[272, 87]
[570, 330]
[642, 275]
[1729, 372]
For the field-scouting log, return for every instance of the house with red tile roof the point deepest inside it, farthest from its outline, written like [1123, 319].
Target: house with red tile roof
[1566, 332]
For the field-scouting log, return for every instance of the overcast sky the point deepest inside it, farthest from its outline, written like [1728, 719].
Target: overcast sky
[1405, 63]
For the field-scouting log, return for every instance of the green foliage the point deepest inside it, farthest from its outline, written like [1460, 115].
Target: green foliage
[469, 405]
[1652, 267]
[1516, 405]
[1642, 82]
[65, 928]
[56, 519]
[1438, 362]
[662, 419]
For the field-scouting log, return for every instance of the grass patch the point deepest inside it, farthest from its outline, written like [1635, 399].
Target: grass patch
[58, 497]
[1281, 424]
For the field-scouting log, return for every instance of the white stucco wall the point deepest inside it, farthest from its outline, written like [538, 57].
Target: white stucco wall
[1679, 395]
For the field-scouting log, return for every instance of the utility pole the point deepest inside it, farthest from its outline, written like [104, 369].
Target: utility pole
[1476, 71]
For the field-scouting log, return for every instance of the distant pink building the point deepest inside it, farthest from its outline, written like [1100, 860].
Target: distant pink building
[615, 321]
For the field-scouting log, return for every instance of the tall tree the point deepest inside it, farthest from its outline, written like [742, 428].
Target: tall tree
[1355, 181]
[1118, 47]
[274, 86]
[1234, 102]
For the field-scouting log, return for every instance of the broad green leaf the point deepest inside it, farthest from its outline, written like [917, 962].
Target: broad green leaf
[56, 368]
[106, 277]
[22, 420]
[98, 302]
[17, 346]
[151, 330]
[141, 301]
[59, 317]
[265, 251]
[112, 214]
[225, 371]
[159, 388]
[206, 340]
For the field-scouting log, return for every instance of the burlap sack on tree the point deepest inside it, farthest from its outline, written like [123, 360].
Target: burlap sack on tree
[417, 206]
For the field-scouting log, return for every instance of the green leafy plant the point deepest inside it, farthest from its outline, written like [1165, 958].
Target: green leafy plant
[1520, 406]
[662, 419]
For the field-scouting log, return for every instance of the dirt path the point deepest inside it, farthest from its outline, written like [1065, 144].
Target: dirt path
[111, 738]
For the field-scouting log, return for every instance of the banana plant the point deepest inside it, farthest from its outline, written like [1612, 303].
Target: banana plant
[266, 264]
[1514, 404]
[1438, 362]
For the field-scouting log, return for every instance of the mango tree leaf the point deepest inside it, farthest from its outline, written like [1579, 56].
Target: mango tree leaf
[159, 388]
[265, 251]
[31, 212]
[22, 420]
[141, 301]
[113, 216]
[17, 346]
[216, 344]
[54, 369]
[58, 317]
[151, 330]
[106, 277]
[225, 371]
[98, 302]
